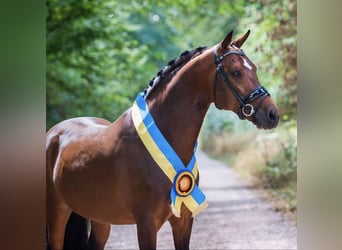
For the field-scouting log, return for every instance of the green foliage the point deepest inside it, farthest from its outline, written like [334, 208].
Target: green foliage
[86, 63]
[281, 169]
[275, 44]
[101, 53]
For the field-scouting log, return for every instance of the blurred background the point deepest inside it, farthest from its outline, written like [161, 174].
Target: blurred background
[100, 54]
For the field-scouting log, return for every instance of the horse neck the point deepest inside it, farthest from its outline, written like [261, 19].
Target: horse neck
[179, 107]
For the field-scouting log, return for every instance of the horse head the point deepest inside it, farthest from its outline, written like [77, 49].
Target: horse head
[237, 86]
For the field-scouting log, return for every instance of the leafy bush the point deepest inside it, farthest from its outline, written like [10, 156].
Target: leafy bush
[282, 169]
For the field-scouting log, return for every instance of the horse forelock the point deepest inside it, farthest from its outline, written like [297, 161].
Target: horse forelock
[166, 73]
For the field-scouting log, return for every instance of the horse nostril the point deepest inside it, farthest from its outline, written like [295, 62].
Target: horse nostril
[273, 116]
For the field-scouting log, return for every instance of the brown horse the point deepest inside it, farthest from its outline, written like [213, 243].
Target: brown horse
[102, 170]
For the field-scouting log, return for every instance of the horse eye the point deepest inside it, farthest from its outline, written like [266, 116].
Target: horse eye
[236, 74]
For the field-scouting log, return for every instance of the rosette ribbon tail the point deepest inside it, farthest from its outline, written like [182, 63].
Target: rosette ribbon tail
[195, 202]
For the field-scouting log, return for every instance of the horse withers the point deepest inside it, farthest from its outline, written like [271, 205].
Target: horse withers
[104, 172]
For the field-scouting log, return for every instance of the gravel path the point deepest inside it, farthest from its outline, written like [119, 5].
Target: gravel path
[237, 217]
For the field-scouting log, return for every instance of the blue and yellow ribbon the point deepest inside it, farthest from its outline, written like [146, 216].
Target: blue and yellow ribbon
[168, 160]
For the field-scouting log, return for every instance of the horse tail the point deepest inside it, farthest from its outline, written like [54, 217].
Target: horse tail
[77, 228]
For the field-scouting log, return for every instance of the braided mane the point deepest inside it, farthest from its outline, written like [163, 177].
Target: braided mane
[166, 73]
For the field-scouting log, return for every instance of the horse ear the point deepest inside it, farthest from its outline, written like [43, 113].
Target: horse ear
[227, 40]
[240, 41]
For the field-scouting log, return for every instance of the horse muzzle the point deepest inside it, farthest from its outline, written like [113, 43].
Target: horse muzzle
[267, 117]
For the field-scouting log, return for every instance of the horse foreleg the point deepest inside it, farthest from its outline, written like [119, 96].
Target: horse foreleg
[147, 234]
[181, 230]
[98, 236]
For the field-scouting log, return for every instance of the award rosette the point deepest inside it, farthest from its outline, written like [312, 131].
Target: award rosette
[184, 188]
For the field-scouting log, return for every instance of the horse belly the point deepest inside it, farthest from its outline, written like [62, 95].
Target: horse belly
[95, 191]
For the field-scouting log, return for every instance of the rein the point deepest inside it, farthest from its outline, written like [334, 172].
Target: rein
[246, 109]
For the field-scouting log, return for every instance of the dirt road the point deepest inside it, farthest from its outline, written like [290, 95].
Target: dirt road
[237, 218]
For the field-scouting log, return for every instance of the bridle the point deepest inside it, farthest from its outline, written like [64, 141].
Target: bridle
[246, 109]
